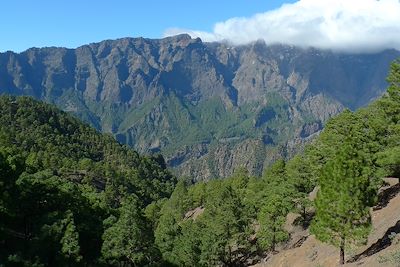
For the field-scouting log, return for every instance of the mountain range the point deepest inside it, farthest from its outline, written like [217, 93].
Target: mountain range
[207, 107]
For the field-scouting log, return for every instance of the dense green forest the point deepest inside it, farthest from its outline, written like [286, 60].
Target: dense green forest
[73, 197]
[68, 192]
[232, 221]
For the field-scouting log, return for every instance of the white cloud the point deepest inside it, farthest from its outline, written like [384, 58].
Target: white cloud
[343, 25]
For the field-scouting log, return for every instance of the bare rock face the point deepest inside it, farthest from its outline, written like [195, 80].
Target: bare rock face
[207, 107]
[309, 129]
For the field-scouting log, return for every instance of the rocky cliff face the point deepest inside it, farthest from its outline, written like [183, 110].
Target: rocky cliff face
[208, 107]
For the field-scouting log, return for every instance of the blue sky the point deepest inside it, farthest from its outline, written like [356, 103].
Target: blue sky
[71, 23]
[341, 25]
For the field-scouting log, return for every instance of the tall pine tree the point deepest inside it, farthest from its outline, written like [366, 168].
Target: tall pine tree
[345, 196]
[129, 238]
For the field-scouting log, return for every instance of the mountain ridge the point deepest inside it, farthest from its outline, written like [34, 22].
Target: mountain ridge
[208, 107]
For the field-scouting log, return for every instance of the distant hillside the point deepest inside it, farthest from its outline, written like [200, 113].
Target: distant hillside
[61, 182]
[70, 196]
[208, 107]
[47, 138]
[332, 204]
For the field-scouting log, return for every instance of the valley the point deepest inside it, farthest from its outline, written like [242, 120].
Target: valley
[200, 134]
[206, 107]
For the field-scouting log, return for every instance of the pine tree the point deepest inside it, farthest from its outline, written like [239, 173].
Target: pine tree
[129, 239]
[345, 196]
[168, 228]
[394, 91]
[70, 241]
[299, 173]
[272, 218]
[226, 228]
[187, 245]
[388, 158]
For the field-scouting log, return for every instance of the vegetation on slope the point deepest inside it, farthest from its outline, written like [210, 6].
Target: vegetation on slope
[359, 149]
[70, 194]
[177, 94]
[244, 216]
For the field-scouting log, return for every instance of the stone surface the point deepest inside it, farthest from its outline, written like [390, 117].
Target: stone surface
[208, 107]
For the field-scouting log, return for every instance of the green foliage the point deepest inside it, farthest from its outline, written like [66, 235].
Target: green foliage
[349, 157]
[272, 218]
[219, 232]
[300, 174]
[188, 245]
[197, 194]
[218, 224]
[302, 206]
[390, 160]
[227, 228]
[153, 211]
[70, 241]
[49, 221]
[345, 196]
[60, 179]
[389, 105]
[276, 201]
[176, 123]
[169, 228]
[391, 102]
[130, 238]
[225, 222]
[70, 196]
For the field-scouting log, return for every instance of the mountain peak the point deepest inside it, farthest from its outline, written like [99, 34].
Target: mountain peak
[199, 102]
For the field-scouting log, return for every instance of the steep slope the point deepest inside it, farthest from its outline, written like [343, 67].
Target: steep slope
[45, 138]
[382, 248]
[65, 189]
[208, 107]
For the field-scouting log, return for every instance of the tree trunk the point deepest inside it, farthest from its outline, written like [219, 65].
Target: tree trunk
[273, 236]
[342, 251]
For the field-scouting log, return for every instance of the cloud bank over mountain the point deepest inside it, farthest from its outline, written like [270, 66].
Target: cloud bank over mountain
[340, 25]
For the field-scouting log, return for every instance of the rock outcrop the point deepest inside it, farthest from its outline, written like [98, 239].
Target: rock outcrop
[207, 107]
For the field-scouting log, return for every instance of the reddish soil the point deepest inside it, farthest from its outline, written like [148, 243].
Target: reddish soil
[382, 249]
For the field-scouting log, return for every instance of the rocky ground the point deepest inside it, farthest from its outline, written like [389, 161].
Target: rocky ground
[207, 107]
[382, 249]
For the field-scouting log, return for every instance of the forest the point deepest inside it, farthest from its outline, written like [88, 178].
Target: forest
[70, 196]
